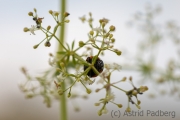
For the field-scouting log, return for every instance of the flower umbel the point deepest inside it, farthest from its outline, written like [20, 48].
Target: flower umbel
[71, 67]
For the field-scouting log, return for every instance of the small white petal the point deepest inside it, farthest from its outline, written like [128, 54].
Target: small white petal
[105, 111]
[117, 66]
[32, 29]
[97, 29]
[61, 77]
[55, 12]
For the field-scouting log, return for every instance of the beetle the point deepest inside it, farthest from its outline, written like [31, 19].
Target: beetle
[99, 65]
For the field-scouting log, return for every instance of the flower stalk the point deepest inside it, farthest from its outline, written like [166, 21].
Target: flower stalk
[62, 100]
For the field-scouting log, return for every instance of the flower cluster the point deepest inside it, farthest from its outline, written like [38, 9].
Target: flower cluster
[146, 58]
[49, 35]
[69, 67]
[105, 80]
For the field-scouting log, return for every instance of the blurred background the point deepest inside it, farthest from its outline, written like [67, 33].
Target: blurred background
[16, 50]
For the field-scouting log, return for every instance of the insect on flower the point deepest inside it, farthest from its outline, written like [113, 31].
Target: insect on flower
[99, 65]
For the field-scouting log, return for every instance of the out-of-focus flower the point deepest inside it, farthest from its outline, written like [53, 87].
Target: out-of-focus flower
[113, 66]
[110, 97]
[97, 29]
[104, 111]
[83, 18]
[55, 13]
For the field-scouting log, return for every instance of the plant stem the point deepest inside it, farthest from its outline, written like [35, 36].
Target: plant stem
[62, 100]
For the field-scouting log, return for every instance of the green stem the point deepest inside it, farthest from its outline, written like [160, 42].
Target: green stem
[62, 100]
[118, 88]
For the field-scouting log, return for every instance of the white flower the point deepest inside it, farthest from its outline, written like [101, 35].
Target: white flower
[103, 76]
[100, 81]
[55, 13]
[32, 29]
[104, 111]
[97, 29]
[110, 97]
[52, 62]
[83, 18]
[113, 66]
[61, 77]
[108, 66]
[107, 42]
[117, 66]
[105, 20]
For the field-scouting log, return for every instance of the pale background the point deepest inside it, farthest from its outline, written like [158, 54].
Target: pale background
[16, 51]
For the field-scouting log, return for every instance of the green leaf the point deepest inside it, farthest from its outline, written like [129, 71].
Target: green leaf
[61, 52]
[74, 61]
[68, 58]
[68, 46]
[72, 47]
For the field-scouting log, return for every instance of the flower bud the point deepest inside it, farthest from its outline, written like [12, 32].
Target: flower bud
[30, 13]
[112, 28]
[143, 88]
[111, 35]
[35, 46]
[50, 12]
[60, 92]
[128, 109]
[118, 52]
[100, 21]
[26, 29]
[66, 14]
[146, 88]
[139, 102]
[97, 90]
[47, 44]
[69, 94]
[134, 92]
[130, 78]
[90, 14]
[29, 95]
[62, 64]
[56, 13]
[112, 40]
[103, 24]
[88, 91]
[48, 27]
[119, 105]
[124, 79]
[24, 71]
[91, 32]
[81, 44]
[99, 112]
[35, 10]
[107, 35]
